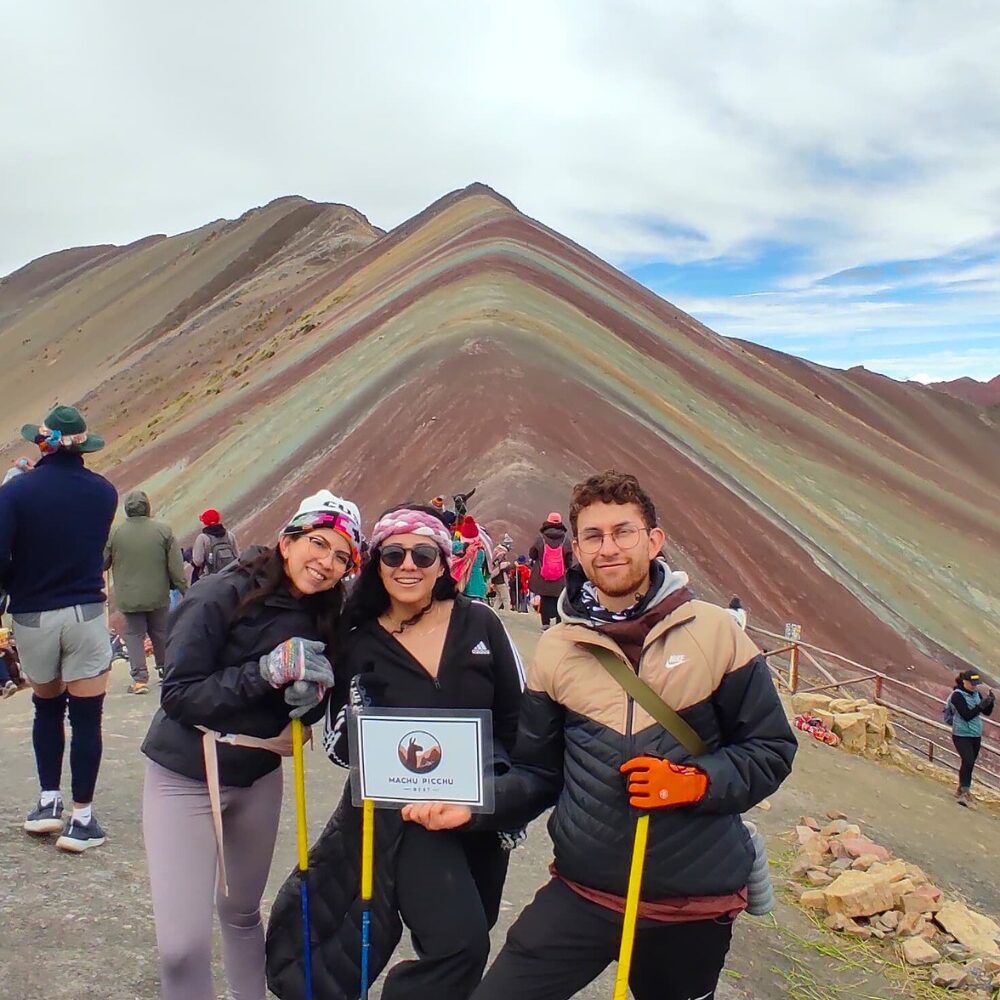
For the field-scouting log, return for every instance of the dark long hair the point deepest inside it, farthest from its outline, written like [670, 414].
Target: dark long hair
[267, 570]
[369, 599]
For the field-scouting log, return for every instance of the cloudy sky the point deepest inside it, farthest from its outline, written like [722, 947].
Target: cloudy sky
[821, 177]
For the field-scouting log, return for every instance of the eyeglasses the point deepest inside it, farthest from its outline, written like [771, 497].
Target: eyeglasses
[322, 549]
[424, 556]
[625, 536]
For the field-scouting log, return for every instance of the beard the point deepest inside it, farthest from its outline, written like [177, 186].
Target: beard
[622, 584]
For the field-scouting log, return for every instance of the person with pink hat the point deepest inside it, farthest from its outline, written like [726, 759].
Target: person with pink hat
[551, 556]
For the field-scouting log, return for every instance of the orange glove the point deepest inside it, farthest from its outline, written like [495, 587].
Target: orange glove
[660, 784]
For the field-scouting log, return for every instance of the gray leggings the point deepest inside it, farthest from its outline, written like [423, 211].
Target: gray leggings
[181, 854]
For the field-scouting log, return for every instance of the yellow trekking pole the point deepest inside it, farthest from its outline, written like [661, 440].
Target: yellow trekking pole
[302, 836]
[367, 886]
[631, 907]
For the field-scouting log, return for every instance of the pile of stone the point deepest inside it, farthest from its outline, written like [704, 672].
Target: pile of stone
[867, 893]
[863, 727]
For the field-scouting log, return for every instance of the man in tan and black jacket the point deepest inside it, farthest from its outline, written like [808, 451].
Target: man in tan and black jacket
[586, 748]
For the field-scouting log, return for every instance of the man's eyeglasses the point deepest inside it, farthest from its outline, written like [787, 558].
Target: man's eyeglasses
[625, 536]
[424, 555]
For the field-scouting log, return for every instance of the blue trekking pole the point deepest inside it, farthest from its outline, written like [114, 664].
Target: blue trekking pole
[303, 849]
[367, 885]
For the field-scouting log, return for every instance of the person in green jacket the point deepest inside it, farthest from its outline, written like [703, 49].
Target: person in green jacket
[145, 559]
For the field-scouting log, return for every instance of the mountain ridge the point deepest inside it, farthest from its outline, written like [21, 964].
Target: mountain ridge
[290, 349]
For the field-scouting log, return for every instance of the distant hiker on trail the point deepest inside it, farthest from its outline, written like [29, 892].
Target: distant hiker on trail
[449, 516]
[738, 612]
[586, 748]
[523, 584]
[247, 650]
[17, 468]
[145, 561]
[551, 556]
[10, 667]
[215, 547]
[415, 642]
[53, 527]
[501, 572]
[470, 568]
[964, 712]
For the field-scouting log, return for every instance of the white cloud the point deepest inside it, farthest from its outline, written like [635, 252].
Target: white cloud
[870, 131]
[645, 130]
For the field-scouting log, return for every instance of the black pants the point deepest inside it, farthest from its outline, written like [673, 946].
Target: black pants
[448, 887]
[549, 608]
[968, 748]
[562, 942]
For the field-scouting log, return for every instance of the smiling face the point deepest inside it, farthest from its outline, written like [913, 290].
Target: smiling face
[615, 547]
[315, 561]
[410, 585]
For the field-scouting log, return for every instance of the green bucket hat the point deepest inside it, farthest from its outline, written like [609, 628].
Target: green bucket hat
[65, 428]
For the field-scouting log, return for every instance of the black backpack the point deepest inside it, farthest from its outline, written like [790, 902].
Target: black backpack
[220, 554]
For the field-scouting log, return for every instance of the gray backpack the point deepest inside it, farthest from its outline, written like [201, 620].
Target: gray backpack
[220, 554]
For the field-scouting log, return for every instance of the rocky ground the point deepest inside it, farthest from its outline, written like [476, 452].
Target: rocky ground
[82, 926]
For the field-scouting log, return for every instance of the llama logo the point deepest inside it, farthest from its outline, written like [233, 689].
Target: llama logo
[419, 752]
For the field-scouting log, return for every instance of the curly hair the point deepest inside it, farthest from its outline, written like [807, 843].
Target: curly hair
[611, 487]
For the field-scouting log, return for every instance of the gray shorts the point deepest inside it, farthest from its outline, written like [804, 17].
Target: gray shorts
[69, 644]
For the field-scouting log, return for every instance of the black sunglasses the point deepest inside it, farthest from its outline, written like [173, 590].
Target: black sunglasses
[424, 556]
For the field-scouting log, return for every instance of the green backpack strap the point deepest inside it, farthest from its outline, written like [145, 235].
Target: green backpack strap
[642, 694]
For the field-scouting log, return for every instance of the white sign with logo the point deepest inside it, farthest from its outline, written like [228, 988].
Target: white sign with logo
[401, 755]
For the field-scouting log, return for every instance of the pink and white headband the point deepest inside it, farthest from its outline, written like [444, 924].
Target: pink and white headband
[412, 522]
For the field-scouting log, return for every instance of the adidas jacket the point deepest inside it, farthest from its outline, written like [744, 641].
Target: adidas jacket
[578, 726]
[480, 668]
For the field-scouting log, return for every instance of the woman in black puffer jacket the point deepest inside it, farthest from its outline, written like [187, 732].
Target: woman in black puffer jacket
[247, 649]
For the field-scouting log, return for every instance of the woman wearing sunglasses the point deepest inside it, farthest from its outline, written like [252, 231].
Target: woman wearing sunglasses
[248, 649]
[416, 643]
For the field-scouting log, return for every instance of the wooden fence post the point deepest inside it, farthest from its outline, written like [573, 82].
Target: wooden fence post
[793, 632]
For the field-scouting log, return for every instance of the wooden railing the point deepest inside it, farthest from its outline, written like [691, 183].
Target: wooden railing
[922, 731]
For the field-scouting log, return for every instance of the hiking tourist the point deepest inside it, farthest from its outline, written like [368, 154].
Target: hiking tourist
[551, 556]
[501, 570]
[448, 516]
[145, 561]
[17, 468]
[53, 526]
[738, 612]
[623, 606]
[964, 711]
[523, 584]
[417, 643]
[214, 548]
[247, 650]
[10, 668]
[470, 567]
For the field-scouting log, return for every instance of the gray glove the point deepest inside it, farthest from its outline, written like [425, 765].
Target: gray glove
[304, 696]
[297, 660]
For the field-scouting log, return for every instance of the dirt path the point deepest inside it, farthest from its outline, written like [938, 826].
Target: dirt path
[82, 926]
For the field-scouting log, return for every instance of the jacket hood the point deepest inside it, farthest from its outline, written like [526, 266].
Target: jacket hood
[217, 531]
[136, 504]
[663, 580]
[553, 533]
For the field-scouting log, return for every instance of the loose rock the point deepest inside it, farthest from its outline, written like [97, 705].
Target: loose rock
[948, 975]
[917, 951]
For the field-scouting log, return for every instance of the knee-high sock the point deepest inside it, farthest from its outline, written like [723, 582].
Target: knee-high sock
[48, 734]
[86, 745]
